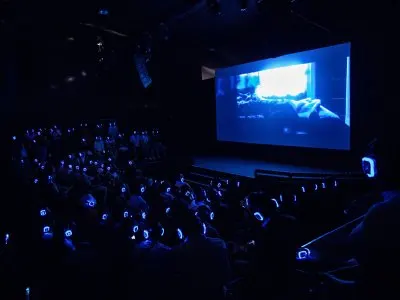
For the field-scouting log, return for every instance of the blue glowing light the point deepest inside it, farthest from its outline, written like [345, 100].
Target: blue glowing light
[259, 216]
[294, 198]
[168, 189]
[91, 203]
[108, 168]
[70, 167]
[68, 233]
[162, 231]
[212, 215]
[123, 190]
[167, 210]
[204, 229]
[303, 189]
[281, 198]
[323, 185]
[130, 163]
[36, 181]
[84, 169]
[276, 202]
[104, 217]
[143, 215]
[142, 189]
[304, 253]
[109, 159]
[145, 234]
[43, 213]
[135, 228]
[180, 234]
[7, 238]
[46, 229]
[369, 167]
[238, 184]
[14, 138]
[126, 214]
[315, 187]
[77, 167]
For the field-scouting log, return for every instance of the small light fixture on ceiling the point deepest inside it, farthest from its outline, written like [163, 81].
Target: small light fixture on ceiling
[70, 79]
[243, 5]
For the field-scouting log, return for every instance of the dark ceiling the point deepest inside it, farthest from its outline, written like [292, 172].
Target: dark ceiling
[276, 27]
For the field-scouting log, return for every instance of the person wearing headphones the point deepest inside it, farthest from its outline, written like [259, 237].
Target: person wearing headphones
[375, 240]
[202, 263]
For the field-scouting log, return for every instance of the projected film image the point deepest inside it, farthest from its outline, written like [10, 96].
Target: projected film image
[301, 99]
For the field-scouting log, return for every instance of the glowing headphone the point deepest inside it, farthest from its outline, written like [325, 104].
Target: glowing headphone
[144, 215]
[180, 234]
[259, 216]
[167, 210]
[123, 190]
[204, 229]
[276, 202]
[304, 253]
[135, 228]
[68, 233]
[142, 188]
[168, 189]
[369, 166]
[145, 234]
[212, 215]
[162, 231]
[126, 214]
[43, 212]
[84, 169]
[46, 229]
[104, 217]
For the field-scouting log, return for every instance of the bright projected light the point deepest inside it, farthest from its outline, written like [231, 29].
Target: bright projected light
[283, 81]
[300, 99]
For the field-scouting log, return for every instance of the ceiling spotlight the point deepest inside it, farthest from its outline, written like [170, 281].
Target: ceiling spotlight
[70, 79]
[103, 12]
[243, 5]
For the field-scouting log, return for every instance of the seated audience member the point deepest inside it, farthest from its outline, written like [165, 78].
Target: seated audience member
[273, 264]
[136, 202]
[99, 145]
[201, 262]
[375, 239]
[378, 246]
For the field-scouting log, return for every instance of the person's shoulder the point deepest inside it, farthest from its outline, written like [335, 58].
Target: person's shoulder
[217, 242]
